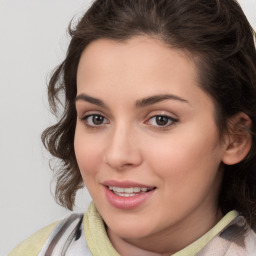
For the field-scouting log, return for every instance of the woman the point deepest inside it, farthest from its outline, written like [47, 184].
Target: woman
[159, 124]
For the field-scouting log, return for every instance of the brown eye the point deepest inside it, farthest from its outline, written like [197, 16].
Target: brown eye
[94, 120]
[161, 121]
[97, 119]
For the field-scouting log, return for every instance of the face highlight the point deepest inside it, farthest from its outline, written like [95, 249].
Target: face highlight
[146, 142]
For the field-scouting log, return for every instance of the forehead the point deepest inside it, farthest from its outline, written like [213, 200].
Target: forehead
[134, 61]
[119, 74]
[149, 48]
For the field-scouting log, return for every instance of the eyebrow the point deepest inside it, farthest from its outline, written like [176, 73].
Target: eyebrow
[158, 98]
[139, 103]
[87, 98]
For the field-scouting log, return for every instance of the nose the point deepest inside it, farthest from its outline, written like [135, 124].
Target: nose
[122, 151]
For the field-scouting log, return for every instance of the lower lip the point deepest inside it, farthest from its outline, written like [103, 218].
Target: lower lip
[127, 203]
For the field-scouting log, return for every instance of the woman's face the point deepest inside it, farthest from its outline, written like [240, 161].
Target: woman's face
[146, 140]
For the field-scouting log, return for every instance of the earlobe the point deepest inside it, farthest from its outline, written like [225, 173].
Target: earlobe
[239, 140]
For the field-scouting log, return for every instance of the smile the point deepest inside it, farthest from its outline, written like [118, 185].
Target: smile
[127, 195]
[127, 192]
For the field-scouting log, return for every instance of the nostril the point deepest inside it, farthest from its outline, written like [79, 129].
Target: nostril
[122, 160]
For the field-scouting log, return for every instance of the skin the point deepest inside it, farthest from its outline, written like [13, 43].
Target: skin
[181, 158]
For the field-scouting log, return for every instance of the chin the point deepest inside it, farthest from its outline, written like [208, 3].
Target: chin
[130, 230]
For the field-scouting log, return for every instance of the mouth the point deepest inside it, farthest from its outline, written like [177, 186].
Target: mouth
[129, 191]
[127, 195]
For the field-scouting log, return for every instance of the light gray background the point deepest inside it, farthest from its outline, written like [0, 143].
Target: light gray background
[33, 40]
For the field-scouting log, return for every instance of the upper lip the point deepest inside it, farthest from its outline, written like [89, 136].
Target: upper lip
[125, 184]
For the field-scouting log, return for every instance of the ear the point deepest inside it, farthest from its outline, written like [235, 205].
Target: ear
[238, 140]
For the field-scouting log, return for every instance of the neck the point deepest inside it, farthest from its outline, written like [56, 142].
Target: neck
[168, 241]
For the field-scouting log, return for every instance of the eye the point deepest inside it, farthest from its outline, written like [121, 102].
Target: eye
[161, 121]
[94, 120]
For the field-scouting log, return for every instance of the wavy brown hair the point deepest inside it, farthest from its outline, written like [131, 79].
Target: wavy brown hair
[215, 32]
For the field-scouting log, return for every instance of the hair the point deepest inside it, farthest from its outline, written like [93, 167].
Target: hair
[216, 32]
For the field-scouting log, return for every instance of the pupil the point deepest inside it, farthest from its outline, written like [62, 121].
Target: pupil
[98, 119]
[161, 120]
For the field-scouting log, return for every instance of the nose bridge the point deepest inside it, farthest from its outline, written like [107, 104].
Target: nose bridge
[122, 150]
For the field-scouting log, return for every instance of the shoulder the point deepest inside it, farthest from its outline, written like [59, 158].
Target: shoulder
[53, 239]
[250, 242]
[32, 245]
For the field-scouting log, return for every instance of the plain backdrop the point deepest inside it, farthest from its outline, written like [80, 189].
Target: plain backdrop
[33, 40]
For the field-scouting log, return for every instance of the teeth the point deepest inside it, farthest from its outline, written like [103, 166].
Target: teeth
[136, 190]
[125, 194]
[127, 191]
[118, 190]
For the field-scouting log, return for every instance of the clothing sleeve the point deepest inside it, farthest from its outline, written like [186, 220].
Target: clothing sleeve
[32, 245]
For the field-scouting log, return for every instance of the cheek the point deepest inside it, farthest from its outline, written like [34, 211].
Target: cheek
[187, 171]
[88, 153]
[186, 157]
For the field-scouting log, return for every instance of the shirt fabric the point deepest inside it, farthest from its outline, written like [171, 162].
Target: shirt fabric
[229, 237]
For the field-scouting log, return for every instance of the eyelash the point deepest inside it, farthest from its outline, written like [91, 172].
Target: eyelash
[170, 122]
[88, 120]
[93, 126]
